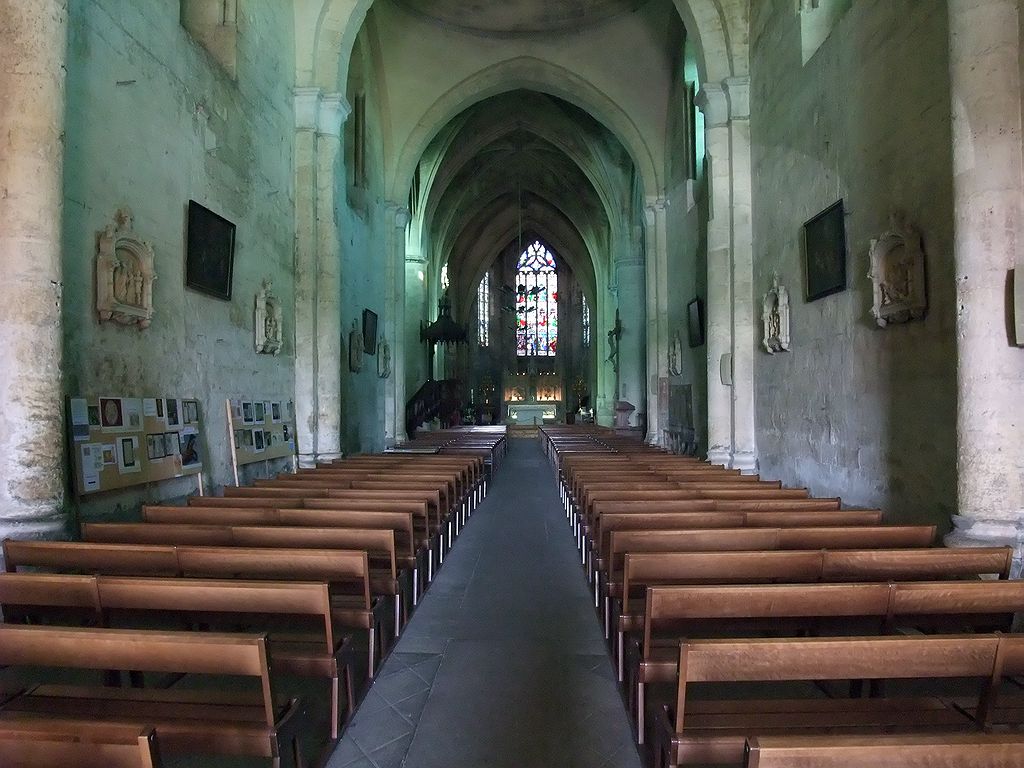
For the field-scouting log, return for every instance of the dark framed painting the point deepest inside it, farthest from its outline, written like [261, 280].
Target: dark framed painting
[369, 332]
[695, 322]
[825, 253]
[210, 253]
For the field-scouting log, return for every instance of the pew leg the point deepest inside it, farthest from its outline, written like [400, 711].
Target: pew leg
[398, 614]
[416, 585]
[620, 655]
[607, 617]
[350, 693]
[597, 596]
[430, 564]
[335, 705]
[640, 704]
[372, 652]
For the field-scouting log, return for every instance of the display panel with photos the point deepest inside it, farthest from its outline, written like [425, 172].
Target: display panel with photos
[119, 442]
[260, 430]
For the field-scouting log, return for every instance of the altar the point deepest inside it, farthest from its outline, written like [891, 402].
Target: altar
[533, 399]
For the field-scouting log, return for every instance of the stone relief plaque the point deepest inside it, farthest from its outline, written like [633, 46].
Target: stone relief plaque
[383, 358]
[897, 274]
[775, 318]
[124, 274]
[269, 321]
[675, 355]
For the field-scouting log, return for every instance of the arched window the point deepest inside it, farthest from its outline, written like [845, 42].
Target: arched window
[586, 323]
[536, 303]
[483, 311]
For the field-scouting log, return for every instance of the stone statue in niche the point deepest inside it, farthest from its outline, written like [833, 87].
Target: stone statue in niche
[675, 355]
[383, 358]
[898, 274]
[124, 274]
[775, 317]
[269, 321]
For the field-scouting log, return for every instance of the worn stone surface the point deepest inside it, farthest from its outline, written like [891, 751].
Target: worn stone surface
[854, 410]
[153, 120]
[32, 82]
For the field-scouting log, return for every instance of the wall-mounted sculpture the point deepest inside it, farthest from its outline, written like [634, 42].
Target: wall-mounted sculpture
[269, 321]
[383, 358]
[675, 355]
[898, 274]
[355, 348]
[775, 317]
[124, 274]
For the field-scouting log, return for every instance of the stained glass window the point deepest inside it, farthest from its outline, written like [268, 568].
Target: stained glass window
[444, 277]
[586, 323]
[483, 311]
[536, 303]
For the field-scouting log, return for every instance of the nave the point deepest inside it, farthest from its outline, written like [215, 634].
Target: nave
[504, 662]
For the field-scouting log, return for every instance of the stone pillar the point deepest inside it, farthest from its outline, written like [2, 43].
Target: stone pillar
[986, 84]
[655, 217]
[415, 312]
[718, 305]
[632, 378]
[394, 325]
[334, 110]
[33, 45]
[307, 109]
[744, 438]
[318, 121]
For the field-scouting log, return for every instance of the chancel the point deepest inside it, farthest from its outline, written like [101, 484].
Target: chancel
[548, 383]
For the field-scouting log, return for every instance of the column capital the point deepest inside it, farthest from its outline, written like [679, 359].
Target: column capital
[334, 111]
[655, 206]
[400, 213]
[307, 107]
[712, 101]
[737, 91]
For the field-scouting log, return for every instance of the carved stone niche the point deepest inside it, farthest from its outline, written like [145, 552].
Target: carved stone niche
[124, 274]
[775, 317]
[898, 274]
[269, 321]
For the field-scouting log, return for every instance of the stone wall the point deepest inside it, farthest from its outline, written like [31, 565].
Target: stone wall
[152, 121]
[854, 410]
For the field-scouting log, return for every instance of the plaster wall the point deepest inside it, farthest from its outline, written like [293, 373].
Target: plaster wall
[854, 410]
[363, 220]
[152, 121]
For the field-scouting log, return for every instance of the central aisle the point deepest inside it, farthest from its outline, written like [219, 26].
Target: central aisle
[504, 662]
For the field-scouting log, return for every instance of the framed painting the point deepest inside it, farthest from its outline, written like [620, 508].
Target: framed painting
[369, 332]
[210, 253]
[695, 322]
[825, 253]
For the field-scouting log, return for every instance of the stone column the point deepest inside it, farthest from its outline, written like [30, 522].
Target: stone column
[394, 325]
[718, 305]
[33, 45]
[415, 311]
[632, 378]
[744, 438]
[985, 78]
[334, 110]
[318, 121]
[655, 217]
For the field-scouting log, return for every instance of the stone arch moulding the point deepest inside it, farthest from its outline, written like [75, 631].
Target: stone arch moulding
[529, 73]
[718, 28]
[124, 274]
[897, 274]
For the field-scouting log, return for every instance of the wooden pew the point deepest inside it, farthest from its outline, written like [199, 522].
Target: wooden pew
[962, 750]
[715, 731]
[188, 721]
[55, 742]
[379, 546]
[675, 612]
[311, 646]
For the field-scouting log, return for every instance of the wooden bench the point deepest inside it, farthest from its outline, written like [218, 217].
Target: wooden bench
[304, 642]
[346, 571]
[54, 743]
[715, 731]
[675, 612]
[188, 721]
[962, 750]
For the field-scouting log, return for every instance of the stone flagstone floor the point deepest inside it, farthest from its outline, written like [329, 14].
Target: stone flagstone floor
[504, 662]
